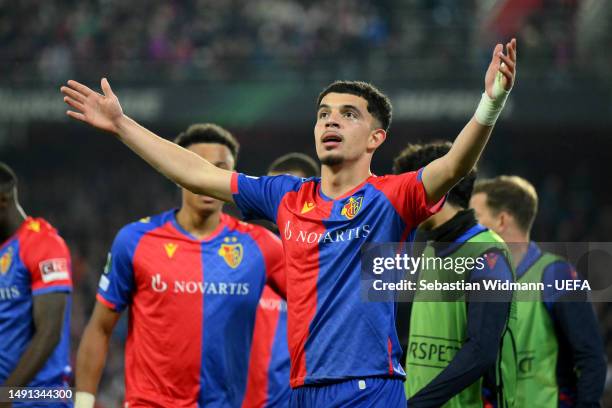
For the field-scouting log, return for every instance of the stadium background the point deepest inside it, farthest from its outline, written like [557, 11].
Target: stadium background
[256, 67]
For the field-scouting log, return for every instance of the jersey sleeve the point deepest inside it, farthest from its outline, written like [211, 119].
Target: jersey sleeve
[117, 280]
[260, 197]
[407, 195]
[557, 271]
[491, 265]
[47, 257]
[495, 266]
[272, 250]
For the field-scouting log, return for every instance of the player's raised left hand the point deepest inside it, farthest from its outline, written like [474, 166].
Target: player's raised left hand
[502, 70]
[101, 111]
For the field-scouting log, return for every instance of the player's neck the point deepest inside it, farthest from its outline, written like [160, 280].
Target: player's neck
[442, 217]
[10, 223]
[338, 180]
[197, 224]
[519, 245]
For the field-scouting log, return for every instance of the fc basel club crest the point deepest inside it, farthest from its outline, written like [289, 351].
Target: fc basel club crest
[352, 207]
[231, 252]
[6, 260]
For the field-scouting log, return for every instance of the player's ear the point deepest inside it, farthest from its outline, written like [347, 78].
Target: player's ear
[376, 138]
[5, 199]
[502, 221]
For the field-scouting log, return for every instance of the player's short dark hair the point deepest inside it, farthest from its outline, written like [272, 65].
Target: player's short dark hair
[295, 161]
[8, 179]
[379, 104]
[513, 194]
[416, 156]
[208, 133]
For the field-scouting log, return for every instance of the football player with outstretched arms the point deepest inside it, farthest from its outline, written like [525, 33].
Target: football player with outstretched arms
[325, 221]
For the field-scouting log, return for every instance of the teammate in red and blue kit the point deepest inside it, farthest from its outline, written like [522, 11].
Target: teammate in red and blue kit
[268, 382]
[35, 286]
[192, 279]
[344, 352]
[268, 379]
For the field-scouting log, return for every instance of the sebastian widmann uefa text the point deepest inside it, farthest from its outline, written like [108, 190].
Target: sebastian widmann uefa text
[459, 265]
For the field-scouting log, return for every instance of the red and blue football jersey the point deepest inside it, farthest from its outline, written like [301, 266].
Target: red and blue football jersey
[192, 306]
[34, 261]
[268, 381]
[332, 334]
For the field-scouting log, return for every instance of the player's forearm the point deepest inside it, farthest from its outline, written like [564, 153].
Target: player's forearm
[486, 322]
[91, 358]
[178, 164]
[442, 174]
[467, 148]
[33, 359]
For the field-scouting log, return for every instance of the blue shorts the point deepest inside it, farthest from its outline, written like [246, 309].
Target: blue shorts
[369, 392]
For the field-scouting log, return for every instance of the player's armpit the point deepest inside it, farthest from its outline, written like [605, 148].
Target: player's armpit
[274, 258]
[48, 311]
[103, 319]
[48, 314]
[438, 179]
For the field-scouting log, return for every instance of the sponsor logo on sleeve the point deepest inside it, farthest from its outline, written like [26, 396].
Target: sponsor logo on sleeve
[53, 270]
[104, 282]
[107, 266]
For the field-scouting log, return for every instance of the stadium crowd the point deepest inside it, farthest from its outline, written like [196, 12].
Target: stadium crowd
[204, 39]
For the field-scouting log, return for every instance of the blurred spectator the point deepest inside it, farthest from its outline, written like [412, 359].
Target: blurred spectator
[268, 39]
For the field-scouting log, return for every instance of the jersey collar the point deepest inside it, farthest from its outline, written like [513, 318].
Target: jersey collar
[531, 256]
[17, 232]
[347, 194]
[210, 237]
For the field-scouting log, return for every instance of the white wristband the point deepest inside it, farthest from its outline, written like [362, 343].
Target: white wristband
[84, 399]
[489, 109]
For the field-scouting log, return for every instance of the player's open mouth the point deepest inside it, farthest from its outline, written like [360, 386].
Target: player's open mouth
[207, 200]
[331, 140]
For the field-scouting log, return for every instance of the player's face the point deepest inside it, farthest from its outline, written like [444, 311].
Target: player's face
[484, 215]
[220, 156]
[345, 130]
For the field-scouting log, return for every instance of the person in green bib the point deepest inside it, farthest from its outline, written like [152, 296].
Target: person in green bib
[561, 359]
[450, 345]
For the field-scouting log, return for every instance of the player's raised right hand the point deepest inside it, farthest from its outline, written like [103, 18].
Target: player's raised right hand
[101, 111]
